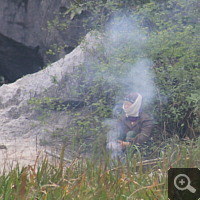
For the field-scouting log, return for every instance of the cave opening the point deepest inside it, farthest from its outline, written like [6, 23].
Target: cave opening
[18, 60]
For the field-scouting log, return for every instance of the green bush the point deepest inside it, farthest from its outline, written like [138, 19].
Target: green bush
[173, 44]
[152, 49]
[105, 179]
[167, 35]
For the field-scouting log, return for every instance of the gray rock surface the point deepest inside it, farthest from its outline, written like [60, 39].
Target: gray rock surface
[18, 122]
[26, 22]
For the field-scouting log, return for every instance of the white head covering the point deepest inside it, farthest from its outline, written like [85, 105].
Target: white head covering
[133, 110]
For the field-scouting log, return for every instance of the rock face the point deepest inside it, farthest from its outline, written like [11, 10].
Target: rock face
[18, 120]
[17, 60]
[26, 21]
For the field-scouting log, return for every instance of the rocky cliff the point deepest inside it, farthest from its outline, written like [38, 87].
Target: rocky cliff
[19, 122]
[26, 22]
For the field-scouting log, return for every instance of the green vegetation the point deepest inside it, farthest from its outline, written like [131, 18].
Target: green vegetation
[86, 179]
[163, 39]
[152, 48]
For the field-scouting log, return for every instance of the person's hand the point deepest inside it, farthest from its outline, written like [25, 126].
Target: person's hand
[123, 143]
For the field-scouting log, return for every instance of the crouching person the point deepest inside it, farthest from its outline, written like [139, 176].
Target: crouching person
[135, 126]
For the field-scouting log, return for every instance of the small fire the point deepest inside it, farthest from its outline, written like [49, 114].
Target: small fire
[115, 148]
[112, 137]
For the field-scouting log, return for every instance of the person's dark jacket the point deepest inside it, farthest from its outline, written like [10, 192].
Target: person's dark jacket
[136, 133]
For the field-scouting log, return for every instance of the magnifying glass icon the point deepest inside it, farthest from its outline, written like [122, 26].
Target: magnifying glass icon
[182, 182]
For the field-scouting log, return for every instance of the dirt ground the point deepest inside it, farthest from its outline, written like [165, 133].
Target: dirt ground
[23, 150]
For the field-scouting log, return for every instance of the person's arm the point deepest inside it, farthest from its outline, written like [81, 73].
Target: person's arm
[145, 134]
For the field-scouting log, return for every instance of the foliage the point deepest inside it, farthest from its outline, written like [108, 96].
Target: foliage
[106, 179]
[167, 34]
[174, 46]
[151, 48]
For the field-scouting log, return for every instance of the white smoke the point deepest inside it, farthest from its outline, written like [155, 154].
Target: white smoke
[140, 79]
[112, 136]
[126, 36]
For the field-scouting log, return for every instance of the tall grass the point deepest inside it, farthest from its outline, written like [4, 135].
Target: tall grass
[104, 179]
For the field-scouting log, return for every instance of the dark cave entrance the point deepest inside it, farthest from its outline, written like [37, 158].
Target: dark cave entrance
[17, 60]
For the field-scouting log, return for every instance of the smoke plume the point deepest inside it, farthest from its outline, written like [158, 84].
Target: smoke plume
[124, 46]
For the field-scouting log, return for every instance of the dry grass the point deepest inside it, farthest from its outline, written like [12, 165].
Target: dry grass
[106, 179]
